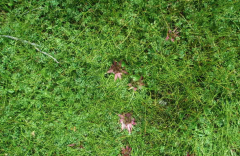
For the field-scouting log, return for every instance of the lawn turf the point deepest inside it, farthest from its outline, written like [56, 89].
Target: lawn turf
[190, 101]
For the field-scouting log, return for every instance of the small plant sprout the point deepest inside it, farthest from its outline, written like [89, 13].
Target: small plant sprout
[137, 83]
[127, 121]
[126, 151]
[117, 69]
[172, 35]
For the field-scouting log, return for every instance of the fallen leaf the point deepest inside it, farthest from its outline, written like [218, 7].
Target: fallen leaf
[172, 35]
[126, 151]
[127, 121]
[117, 69]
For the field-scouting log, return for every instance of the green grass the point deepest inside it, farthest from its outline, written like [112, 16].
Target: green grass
[42, 101]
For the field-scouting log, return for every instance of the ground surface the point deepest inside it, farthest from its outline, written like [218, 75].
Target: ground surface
[190, 100]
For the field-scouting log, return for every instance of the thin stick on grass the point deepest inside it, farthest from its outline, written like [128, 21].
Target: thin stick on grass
[33, 44]
[32, 10]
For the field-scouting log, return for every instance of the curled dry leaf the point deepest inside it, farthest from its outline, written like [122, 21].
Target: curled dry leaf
[126, 151]
[117, 69]
[127, 121]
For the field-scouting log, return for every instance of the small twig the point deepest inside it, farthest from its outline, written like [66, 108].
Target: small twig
[31, 10]
[46, 54]
[33, 44]
[17, 39]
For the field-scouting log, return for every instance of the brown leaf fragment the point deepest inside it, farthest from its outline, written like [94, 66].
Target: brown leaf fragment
[117, 69]
[33, 133]
[71, 145]
[81, 146]
[74, 129]
[127, 121]
[126, 151]
[189, 154]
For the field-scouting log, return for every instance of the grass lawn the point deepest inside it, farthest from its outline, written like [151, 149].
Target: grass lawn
[59, 96]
